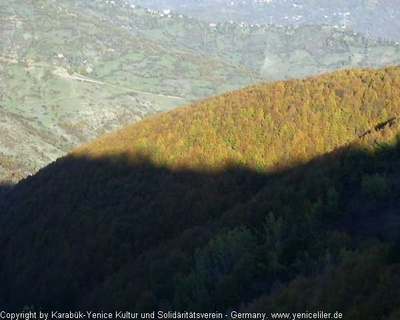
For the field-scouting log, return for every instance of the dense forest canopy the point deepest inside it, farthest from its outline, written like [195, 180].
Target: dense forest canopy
[263, 126]
[282, 196]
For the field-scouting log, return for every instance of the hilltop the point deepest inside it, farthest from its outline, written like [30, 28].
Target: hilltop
[281, 196]
[73, 70]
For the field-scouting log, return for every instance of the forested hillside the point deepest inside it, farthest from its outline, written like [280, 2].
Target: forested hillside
[282, 196]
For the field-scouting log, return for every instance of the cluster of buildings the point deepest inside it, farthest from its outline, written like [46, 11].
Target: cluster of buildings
[257, 2]
[161, 14]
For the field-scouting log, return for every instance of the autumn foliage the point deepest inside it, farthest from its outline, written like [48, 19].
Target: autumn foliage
[265, 126]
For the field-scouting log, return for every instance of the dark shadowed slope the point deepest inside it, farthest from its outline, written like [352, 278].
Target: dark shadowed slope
[107, 234]
[154, 217]
[4, 191]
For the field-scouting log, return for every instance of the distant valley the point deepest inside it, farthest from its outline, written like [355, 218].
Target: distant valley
[73, 70]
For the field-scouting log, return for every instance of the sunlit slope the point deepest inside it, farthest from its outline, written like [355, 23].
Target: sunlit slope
[263, 126]
[246, 201]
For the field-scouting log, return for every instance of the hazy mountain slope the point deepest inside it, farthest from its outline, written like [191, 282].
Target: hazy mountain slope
[378, 18]
[275, 52]
[237, 200]
[78, 75]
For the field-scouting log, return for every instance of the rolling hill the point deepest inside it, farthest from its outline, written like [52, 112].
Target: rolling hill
[280, 197]
[73, 70]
